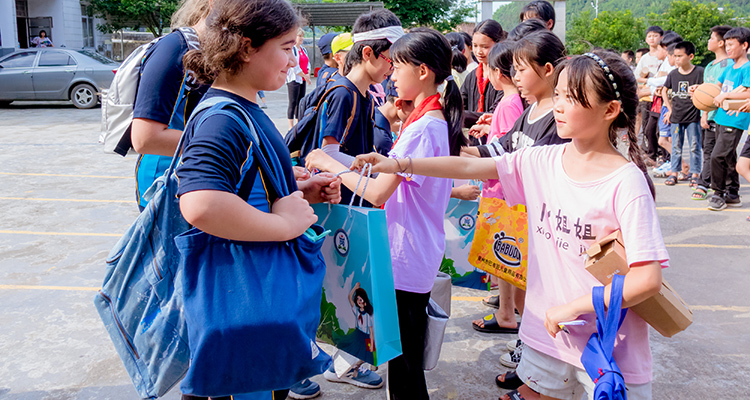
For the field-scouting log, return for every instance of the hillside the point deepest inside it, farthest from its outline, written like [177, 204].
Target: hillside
[508, 15]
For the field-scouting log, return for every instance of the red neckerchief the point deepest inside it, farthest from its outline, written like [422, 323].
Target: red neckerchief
[429, 104]
[481, 85]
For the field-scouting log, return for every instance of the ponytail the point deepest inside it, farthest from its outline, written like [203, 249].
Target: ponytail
[453, 112]
[458, 61]
[429, 47]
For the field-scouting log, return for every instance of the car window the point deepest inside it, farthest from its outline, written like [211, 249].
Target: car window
[19, 60]
[96, 56]
[54, 59]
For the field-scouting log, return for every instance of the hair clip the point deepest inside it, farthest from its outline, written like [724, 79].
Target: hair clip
[607, 72]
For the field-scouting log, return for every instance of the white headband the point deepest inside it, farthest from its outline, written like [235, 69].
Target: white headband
[390, 33]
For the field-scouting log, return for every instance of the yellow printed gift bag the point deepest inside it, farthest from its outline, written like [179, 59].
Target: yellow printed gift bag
[500, 244]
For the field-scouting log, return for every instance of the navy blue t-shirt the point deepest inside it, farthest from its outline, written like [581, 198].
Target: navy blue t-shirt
[382, 136]
[324, 74]
[160, 82]
[161, 78]
[353, 130]
[215, 151]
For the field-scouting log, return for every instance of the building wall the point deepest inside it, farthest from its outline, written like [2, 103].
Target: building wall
[8, 26]
[73, 35]
[54, 9]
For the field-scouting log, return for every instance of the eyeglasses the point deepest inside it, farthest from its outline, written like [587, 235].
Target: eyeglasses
[386, 59]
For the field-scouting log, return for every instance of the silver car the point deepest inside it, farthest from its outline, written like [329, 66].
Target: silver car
[55, 74]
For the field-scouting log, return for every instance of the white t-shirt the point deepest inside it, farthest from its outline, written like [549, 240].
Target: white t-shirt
[648, 63]
[416, 210]
[363, 320]
[565, 218]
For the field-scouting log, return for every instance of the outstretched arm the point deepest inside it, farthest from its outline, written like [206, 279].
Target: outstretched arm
[351, 294]
[440, 167]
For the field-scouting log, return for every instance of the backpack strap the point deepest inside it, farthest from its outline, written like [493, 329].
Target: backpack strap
[268, 164]
[351, 115]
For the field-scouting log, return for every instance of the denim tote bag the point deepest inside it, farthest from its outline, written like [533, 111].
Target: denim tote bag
[597, 355]
[141, 302]
[252, 308]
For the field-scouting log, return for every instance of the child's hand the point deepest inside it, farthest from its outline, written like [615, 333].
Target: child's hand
[379, 163]
[466, 192]
[479, 130]
[691, 89]
[296, 213]
[320, 188]
[558, 314]
[300, 174]
[318, 159]
[704, 121]
[745, 107]
[485, 119]
[720, 99]
[667, 115]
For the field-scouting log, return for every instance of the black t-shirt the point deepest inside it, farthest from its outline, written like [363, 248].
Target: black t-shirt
[470, 95]
[382, 134]
[215, 152]
[526, 133]
[683, 110]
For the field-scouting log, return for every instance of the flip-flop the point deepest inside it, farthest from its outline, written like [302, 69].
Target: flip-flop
[512, 395]
[491, 326]
[493, 303]
[510, 381]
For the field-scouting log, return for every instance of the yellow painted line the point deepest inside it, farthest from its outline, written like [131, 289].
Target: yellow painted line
[35, 287]
[68, 200]
[67, 175]
[708, 246]
[61, 233]
[700, 209]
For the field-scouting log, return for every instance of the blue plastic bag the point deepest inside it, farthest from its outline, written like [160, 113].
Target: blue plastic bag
[252, 308]
[597, 356]
[357, 251]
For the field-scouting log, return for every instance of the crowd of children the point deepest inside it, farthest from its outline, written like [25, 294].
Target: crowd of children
[510, 108]
[668, 118]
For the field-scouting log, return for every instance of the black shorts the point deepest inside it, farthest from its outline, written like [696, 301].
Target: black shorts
[746, 149]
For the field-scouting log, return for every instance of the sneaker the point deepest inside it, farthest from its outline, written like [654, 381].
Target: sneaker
[716, 203]
[733, 200]
[511, 360]
[511, 346]
[360, 377]
[306, 389]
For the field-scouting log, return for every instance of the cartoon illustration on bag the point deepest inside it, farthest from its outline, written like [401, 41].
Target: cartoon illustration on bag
[361, 342]
[459, 224]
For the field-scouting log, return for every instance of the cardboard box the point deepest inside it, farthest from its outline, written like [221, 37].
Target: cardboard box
[666, 311]
[733, 104]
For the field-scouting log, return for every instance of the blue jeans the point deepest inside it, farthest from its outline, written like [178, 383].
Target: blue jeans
[693, 131]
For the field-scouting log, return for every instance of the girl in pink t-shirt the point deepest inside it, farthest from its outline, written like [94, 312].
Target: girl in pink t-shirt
[575, 193]
[414, 205]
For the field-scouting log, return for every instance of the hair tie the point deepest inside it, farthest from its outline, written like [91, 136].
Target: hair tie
[607, 72]
[454, 48]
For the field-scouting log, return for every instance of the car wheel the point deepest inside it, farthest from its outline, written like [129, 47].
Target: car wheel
[83, 95]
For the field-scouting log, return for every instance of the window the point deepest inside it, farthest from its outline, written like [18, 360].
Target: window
[97, 57]
[20, 60]
[54, 59]
[87, 26]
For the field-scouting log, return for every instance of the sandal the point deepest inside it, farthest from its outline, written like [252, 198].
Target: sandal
[693, 183]
[513, 395]
[661, 174]
[510, 381]
[682, 177]
[700, 193]
[671, 180]
[491, 326]
[493, 302]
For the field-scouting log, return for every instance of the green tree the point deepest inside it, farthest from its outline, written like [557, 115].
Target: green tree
[693, 21]
[441, 14]
[154, 15]
[618, 30]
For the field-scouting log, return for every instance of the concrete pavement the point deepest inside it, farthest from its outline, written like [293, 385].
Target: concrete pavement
[65, 204]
